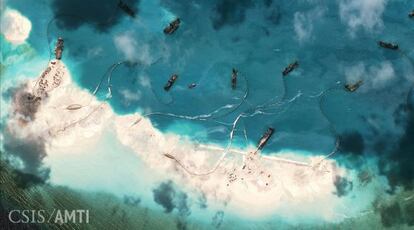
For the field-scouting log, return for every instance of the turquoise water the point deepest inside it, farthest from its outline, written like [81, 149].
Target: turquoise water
[259, 41]
[309, 108]
[333, 41]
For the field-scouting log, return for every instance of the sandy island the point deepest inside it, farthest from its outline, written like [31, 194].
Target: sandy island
[254, 185]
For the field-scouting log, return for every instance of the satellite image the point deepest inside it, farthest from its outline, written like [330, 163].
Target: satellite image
[207, 114]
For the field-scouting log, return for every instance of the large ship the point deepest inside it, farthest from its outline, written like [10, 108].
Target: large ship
[59, 48]
[388, 45]
[172, 27]
[265, 138]
[126, 9]
[170, 82]
[234, 78]
[352, 87]
[290, 68]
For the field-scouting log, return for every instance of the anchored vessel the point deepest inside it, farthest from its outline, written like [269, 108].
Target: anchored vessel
[126, 9]
[169, 156]
[172, 27]
[388, 45]
[290, 68]
[266, 136]
[74, 107]
[59, 48]
[352, 87]
[170, 82]
[411, 14]
[234, 78]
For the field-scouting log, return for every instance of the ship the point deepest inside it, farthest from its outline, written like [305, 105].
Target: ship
[74, 107]
[290, 68]
[59, 48]
[126, 9]
[170, 82]
[352, 87]
[265, 138]
[192, 85]
[234, 78]
[411, 14]
[172, 27]
[388, 45]
[169, 156]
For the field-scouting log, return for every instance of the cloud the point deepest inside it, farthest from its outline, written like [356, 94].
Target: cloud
[30, 150]
[25, 104]
[170, 198]
[15, 27]
[374, 77]
[382, 75]
[303, 31]
[353, 143]
[100, 14]
[398, 166]
[131, 96]
[343, 186]
[365, 14]
[217, 219]
[230, 12]
[144, 81]
[391, 215]
[303, 23]
[132, 50]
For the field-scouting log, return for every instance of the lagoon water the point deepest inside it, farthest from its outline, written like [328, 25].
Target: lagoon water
[128, 61]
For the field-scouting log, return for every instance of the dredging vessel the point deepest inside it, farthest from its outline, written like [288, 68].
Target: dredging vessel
[265, 138]
[170, 82]
[388, 45]
[59, 48]
[352, 87]
[172, 27]
[234, 74]
[290, 68]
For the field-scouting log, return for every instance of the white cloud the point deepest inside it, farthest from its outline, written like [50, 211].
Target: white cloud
[130, 96]
[303, 23]
[365, 14]
[382, 74]
[15, 27]
[302, 31]
[374, 77]
[94, 51]
[408, 70]
[132, 50]
[144, 81]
